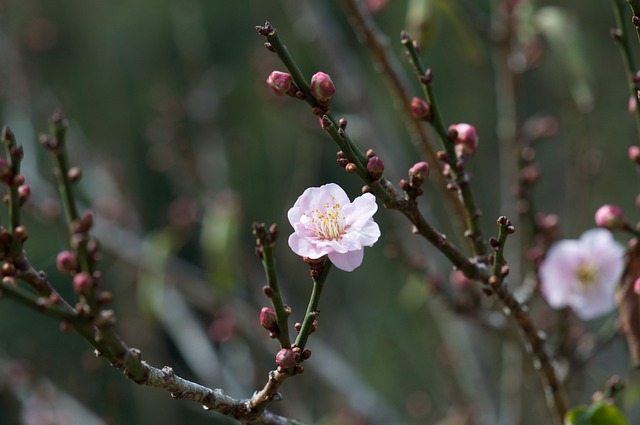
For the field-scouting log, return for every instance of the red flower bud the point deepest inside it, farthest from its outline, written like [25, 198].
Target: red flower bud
[322, 87]
[418, 173]
[280, 82]
[610, 217]
[375, 167]
[268, 319]
[66, 261]
[420, 109]
[467, 140]
[81, 282]
[286, 358]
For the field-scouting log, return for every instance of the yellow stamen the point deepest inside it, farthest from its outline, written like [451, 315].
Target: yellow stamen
[588, 274]
[329, 222]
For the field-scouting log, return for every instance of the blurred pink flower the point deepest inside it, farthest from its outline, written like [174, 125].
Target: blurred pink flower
[325, 222]
[582, 274]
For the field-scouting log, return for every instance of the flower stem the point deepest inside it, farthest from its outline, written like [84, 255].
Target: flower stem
[265, 240]
[58, 130]
[472, 213]
[312, 308]
[498, 255]
[14, 153]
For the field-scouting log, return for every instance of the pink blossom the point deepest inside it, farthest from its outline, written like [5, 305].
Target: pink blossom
[582, 274]
[325, 222]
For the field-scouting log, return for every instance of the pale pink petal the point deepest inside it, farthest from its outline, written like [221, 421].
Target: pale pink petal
[559, 273]
[360, 210]
[347, 261]
[304, 248]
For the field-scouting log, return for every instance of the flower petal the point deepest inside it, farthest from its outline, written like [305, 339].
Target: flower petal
[347, 261]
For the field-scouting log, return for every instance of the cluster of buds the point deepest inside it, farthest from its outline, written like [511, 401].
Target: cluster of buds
[344, 162]
[290, 358]
[264, 237]
[465, 139]
[417, 175]
[321, 88]
[9, 170]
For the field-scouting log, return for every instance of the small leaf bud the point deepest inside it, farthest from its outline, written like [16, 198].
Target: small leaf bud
[351, 168]
[21, 233]
[74, 174]
[8, 269]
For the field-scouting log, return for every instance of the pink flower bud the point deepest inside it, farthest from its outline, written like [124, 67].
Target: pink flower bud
[66, 261]
[632, 104]
[418, 173]
[375, 167]
[81, 282]
[634, 154]
[636, 286]
[459, 280]
[24, 192]
[610, 217]
[268, 319]
[420, 109]
[280, 82]
[286, 358]
[322, 87]
[467, 140]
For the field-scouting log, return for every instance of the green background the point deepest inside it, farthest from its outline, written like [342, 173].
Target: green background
[183, 146]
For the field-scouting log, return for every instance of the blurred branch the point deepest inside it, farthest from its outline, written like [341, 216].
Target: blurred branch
[621, 38]
[456, 164]
[392, 71]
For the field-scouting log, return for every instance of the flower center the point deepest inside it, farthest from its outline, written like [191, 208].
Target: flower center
[588, 274]
[329, 223]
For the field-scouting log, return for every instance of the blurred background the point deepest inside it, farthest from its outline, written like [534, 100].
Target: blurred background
[182, 146]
